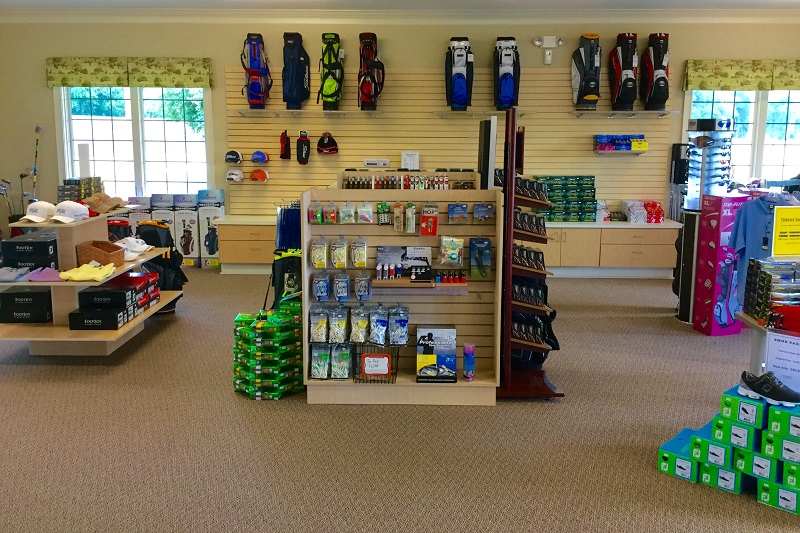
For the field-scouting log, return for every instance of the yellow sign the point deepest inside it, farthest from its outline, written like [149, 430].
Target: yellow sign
[638, 145]
[786, 231]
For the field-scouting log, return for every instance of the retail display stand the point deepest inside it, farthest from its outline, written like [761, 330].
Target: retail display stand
[56, 338]
[516, 382]
[473, 308]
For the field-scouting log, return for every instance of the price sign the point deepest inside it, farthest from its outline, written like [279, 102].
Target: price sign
[638, 145]
[375, 364]
[786, 231]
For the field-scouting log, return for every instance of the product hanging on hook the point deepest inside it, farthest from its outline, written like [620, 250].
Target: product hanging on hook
[458, 73]
[506, 73]
[586, 72]
[371, 72]
[296, 71]
[622, 70]
[655, 73]
[258, 80]
[331, 72]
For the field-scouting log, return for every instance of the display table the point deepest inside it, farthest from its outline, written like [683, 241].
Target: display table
[246, 243]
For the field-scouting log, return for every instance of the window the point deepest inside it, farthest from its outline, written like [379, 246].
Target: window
[766, 143]
[142, 141]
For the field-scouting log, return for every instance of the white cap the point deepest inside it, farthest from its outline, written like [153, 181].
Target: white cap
[39, 211]
[67, 212]
[234, 174]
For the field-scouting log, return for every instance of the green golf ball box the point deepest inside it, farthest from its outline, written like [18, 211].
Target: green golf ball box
[744, 410]
[705, 449]
[758, 466]
[778, 496]
[735, 434]
[784, 420]
[721, 478]
[674, 457]
[780, 447]
[791, 475]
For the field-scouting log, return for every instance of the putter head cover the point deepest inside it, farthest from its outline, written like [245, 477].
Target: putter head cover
[286, 146]
[303, 148]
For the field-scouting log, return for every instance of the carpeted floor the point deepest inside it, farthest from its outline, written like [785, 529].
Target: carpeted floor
[153, 438]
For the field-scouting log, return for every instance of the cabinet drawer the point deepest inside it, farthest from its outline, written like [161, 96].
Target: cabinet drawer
[258, 252]
[653, 255]
[638, 236]
[246, 233]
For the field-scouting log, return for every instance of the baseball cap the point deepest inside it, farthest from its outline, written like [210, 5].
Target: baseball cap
[233, 157]
[259, 175]
[39, 211]
[67, 212]
[234, 174]
[259, 157]
[96, 203]
[327, 144]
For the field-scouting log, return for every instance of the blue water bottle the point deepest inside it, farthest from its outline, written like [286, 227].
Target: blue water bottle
[469, 362]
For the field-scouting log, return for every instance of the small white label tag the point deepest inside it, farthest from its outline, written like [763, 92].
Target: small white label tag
[683, 468]
[787, 500]
[716, 455]
[726, 480]
[739, 436]
[794, 426]
[747, 412]
[791, 451]
[761, 467]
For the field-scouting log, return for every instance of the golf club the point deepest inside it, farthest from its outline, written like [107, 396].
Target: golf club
[36, 158]
[22, 193]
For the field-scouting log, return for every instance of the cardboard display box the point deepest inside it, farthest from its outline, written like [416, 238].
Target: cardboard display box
[721, 478]
[187, 228]
[106, 297]
[778, 496]
[96, 319]
[139, 215]
[784, 420]
[780, 447]
[738, 435]
[756, 465]
[707, 450]
[163, 208]
[743, 410]
[675, 457]
[211, 206]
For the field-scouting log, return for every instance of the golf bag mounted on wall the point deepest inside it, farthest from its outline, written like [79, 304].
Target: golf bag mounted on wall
[458, 66]
[586, 72]
[296, 71]
[622, 69]
[506, 73]
[258, 81]
[331, 72]
[654, 89]
[371, 72]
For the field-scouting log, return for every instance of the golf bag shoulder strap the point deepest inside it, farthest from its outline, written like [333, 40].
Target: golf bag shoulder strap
[654, 90]
[296, 71]
[586, 72]
[258, 80]
[332, 71]
[371, 71]
[458, 73]
[506, 73]
[622, 70]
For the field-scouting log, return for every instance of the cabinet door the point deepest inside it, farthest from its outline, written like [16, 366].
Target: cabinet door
[552, 250]
[580, 247]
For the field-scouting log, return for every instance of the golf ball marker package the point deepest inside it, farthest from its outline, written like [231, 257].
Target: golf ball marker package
[339, 253]
[429, 220]
[436, 354]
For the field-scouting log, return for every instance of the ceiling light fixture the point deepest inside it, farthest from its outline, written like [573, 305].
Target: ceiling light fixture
[548, 42]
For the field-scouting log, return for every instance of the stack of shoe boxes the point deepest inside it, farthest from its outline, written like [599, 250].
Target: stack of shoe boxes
[115, 303]
[31, 250]
[573, 198]
[268, 353]
[78, 188]
[750, 446]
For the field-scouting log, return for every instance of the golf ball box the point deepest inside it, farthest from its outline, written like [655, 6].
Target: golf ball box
[758, 466]
[778, 496]
[721, 478]
[780, 447]
[675, 457]
[743, 410]
[707, 450]
[784, 420]
[738, 435]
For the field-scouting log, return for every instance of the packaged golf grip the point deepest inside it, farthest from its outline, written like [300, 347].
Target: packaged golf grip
[359, 324]
[378, 322]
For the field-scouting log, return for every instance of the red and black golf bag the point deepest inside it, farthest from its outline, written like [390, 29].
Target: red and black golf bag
[370, 72]
[623, 66]
[654, 90]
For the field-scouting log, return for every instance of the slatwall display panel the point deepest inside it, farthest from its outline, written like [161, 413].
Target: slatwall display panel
[412, 116]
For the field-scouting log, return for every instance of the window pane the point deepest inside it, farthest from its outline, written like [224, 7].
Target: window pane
[101, 130]
[123, 150]
[123, 130]
[81, 107]
[124, 189]
[103, 151]
[197, 172]
[792, 156]
[741, 155]
[743, 112]
[104, 169]
[193, 110]
[701, 109]
[741, 174]
[776, 132]
[117, 93]
[776, 113]
[156, 187]
[197, 94]
[79, 92]
[153, 130]
[794, 113]
[723, 96]
[81, 130]
[154, 151]
[124, 171]
[794, 96]
[195, 187]
[773, 154]
[743, 134]
[745, 96]
[723, 110]
[779, 96]
[101, 108]
[793, 134]
[174, 131]
[173, 94]
[120, 108]
[155, 171]
[175, 187]
[101, 92]
[152, 93]
[770, 172]
[791, 172]
[153, 109]
[176, 151]
[196, 151]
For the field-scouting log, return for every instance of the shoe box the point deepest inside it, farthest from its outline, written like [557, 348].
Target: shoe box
[756, 465]
[142, 213]
[724, 478]
[707, 450]
[211, 206]
[105, 319]
[716, 279]
[106, 297]
[187, 228]
[26, 304]
[743, 410]
[675, 457]
[436, 354]
[778, 496]
[739, 435]
[163, 208]
[780, 447]
[784, 420]
[31, 250]
[116, 302]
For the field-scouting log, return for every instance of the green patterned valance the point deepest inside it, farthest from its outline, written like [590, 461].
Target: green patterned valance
[786, 74]
[729, 74]
[177, 72]
[87, 71]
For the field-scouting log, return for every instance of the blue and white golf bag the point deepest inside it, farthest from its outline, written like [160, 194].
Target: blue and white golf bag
[258, 81]
[506, 73]
[458, 66]
[586, 72]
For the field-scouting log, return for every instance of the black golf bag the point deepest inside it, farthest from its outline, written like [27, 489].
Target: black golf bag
[286, 275]
[458, 67]
[211, 241]
[654, 89]
[331, 72]
[370, 72]
[168, 265]
[622, 69]
[187, 240]
[296, 71]
[258, 80]
[586, 72]
[506, 73]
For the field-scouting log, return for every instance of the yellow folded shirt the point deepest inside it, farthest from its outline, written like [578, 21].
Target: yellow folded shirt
[89, 273]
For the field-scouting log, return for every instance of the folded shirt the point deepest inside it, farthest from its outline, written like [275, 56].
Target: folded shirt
[13, 274]
[45, 274]
[89, 273]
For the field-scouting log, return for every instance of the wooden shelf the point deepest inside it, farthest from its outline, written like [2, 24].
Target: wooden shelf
[593, 113]
[524, 201]
[522, 235]
[620, 153]
[407, 377]
[518, 270]
[404, 283]
[519, 344]
[306, 113]
[49, 224]
[528, 308]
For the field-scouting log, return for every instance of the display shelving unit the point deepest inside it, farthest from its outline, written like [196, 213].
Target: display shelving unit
[55, 338]
[474, 308]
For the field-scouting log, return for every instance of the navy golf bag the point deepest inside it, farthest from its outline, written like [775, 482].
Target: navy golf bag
[622, 69]
[654, 89]
[258, 81]
[506, 73]
[331, 72]
[458, 66]
[370, 72]
[586, 72]
[296, 71]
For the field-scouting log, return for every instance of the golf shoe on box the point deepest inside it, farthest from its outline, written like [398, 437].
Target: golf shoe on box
[778, 496]
[743, 410]
[784, 421]
[758, 466]
[675, 458]
[779, 447]
[768, 387]
[738, 435]
[721, 478]
[706, 449]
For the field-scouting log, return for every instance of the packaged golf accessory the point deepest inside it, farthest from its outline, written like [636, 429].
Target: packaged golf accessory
[303, 148]
[378, 322]
[398, 326]
[622, 69]
[506, 73]
[457, 213]
[654, 89]
[327, 144]
[259, 157]
[319, 253]
[318, 324]
[331, 72]
[341, 286]
[451, 251]
[384, 214]
[315, 213]
[258, 81]
[480, 256]
[359, 324]
[286, 146]
[586, 72]
[233, 156]
[411, 218]
[363, 286]
[322, 287]
[339, 253]
[358, 253]
[320, 361]
[483, 213]
[337, 324]
[347, 214]
[329, 214]
[296, 71]
[365, 213]
[469, 361]
[458, 67]
[398, 218]
[234, 174]
[341, 361]
[429, 220]
[370, 72]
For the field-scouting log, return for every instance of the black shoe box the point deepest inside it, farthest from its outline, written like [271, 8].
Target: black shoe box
[25, 305]
[40, 243]
[32, 262]
[106, 297]
[34, 315]
[105, 319]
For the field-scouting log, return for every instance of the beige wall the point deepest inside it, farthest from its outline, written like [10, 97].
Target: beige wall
[25, 100]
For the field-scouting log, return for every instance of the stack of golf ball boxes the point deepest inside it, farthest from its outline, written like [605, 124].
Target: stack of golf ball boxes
[268, 353]
[750, 446]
